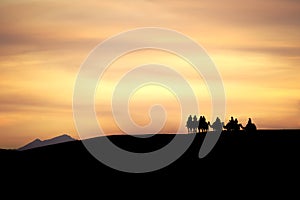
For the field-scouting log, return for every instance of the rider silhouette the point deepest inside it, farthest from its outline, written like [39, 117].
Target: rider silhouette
[250, 127]
[203, 125]
[236, 125]
[195, 118]
[217, 125]
[189, 124]
[232, 125]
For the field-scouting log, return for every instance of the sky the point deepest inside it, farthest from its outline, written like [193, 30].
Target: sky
[254, 44]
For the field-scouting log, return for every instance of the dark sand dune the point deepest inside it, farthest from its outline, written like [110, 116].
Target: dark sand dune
[264, 158]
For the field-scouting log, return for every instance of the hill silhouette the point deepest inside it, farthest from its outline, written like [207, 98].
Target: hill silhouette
[238, 157]
[39, 143]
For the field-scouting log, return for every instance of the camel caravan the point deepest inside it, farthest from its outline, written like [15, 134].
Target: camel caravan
[201, 126]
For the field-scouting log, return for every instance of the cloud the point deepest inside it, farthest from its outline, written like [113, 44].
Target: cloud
[20, 43]
[235, 12]
[16, 102]
[275, 51]
[30, 26]
[62, 25]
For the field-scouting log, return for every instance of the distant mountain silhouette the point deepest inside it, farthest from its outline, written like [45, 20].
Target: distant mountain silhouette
[40, 143]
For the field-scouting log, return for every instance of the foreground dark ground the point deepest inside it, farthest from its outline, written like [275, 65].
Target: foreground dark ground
[262, 158]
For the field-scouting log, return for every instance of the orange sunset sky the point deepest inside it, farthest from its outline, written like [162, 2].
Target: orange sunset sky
[255, 45]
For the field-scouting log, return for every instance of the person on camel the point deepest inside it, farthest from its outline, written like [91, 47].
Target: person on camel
[250, 127]
[217, 125]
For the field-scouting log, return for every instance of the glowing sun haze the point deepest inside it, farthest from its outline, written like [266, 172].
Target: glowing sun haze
[254, 44]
